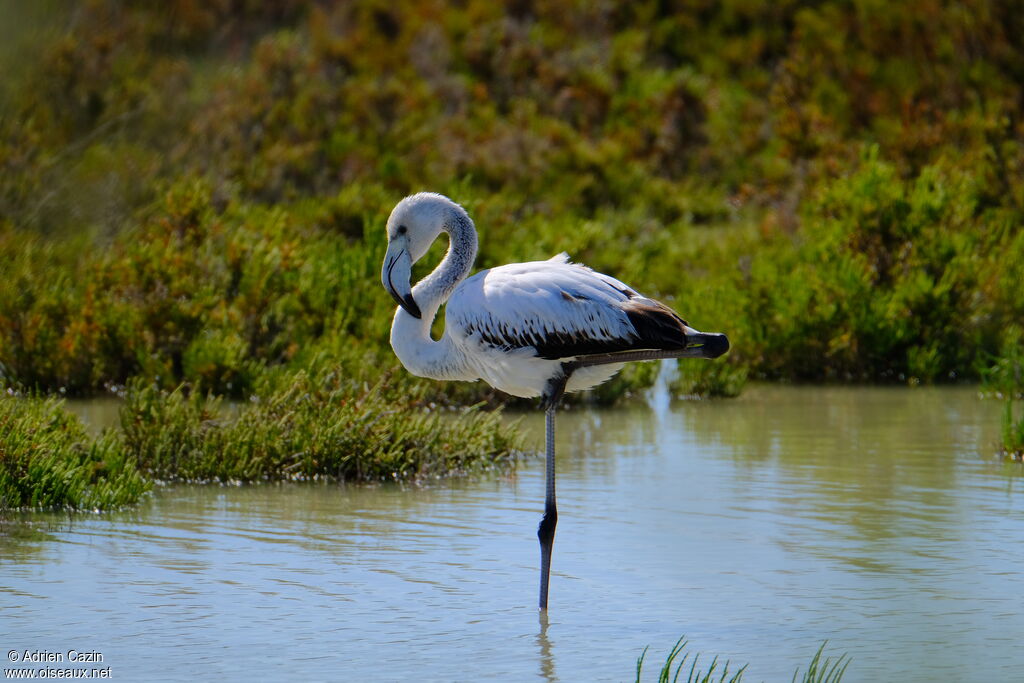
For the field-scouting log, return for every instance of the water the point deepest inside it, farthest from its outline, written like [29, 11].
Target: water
[876, 518]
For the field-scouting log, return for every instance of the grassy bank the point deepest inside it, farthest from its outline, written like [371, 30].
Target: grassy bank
[48, 460]
[296, 426]
[301, 426]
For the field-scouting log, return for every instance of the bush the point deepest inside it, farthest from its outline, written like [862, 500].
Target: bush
[197, 194]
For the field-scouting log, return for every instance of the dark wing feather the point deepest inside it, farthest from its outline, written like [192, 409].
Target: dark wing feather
[562, 310]
[657, 325]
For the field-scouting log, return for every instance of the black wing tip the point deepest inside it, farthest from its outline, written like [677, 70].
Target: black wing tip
[657, 326]
[715, 344]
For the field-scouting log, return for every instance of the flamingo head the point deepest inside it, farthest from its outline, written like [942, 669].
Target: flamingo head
[412, 227]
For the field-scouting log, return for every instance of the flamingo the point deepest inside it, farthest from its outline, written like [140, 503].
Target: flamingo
[528, 329]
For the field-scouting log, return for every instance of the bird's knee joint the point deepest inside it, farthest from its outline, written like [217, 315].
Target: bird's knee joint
[546, 529]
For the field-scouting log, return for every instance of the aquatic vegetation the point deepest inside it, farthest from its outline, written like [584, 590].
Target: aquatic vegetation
[48, 460]
[1013, 431]
[296, 426]
[308, 426]
[818, 671]
[1004, 379]
[823, 670]
[695, 674]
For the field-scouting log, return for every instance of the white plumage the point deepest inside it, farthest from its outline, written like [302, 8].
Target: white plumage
[504, 318]
[528, 329]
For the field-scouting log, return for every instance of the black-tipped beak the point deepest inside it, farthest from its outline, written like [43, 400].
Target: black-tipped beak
[395, 277]
[408, 303]
[706, 344]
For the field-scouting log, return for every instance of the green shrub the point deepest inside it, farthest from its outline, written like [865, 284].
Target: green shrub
[891, 278]
[196, 194]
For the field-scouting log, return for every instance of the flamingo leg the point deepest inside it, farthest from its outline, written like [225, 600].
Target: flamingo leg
[546, 531]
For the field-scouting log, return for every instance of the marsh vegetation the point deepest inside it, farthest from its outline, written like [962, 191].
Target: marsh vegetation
[681, 661]
[192, 196]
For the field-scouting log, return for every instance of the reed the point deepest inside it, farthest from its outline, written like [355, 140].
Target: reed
[1003, 378]
[827, 670]
[1013, 431]
[694, 674]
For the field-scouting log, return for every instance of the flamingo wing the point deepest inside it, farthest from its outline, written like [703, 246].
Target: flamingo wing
[560, 309]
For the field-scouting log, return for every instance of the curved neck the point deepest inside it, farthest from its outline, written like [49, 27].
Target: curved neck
[434, 289]
[410, 337]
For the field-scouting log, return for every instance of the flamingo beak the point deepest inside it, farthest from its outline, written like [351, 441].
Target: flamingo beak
[705, 344]
[396, 276]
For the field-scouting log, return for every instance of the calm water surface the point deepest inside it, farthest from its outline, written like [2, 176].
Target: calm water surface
[876, 518]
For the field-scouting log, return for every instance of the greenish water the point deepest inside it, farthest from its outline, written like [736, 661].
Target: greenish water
[877, 518]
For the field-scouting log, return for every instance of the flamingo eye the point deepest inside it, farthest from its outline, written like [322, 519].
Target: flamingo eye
[402, 229]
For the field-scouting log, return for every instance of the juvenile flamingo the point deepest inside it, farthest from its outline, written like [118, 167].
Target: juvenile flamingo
[529, 329]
